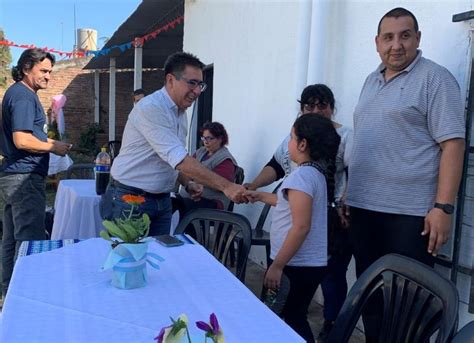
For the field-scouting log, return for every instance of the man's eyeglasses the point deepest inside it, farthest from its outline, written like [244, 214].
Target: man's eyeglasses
[192, 84]
[207, 138]
[320, 105]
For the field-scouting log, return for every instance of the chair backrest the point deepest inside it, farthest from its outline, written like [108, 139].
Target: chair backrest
[264, 214]
[114, 148]
[465, 335]
[239, 179]
[418, 302]
[80, 171]
[222, 233]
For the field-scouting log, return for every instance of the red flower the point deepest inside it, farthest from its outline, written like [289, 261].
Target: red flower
[133, 199]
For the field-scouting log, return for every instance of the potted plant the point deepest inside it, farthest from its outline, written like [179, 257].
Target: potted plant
[129, 253]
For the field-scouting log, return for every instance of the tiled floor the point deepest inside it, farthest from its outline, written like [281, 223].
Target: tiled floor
[253, 280]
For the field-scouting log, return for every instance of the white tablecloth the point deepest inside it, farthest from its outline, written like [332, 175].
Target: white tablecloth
[58, 164]
[61, 296]
[76, 210]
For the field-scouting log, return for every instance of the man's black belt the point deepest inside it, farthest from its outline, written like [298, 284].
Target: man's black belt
[138, 191]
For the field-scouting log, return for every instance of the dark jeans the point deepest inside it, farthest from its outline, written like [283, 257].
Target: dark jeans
[23, 217]
[375, 234]
[303, 284]
[334, 284]
[158, 208]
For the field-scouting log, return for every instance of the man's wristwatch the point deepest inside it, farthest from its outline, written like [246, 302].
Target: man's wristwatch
[447, 208]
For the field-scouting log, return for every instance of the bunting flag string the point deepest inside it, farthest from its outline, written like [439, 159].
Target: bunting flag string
[54, 51]
[138, 41]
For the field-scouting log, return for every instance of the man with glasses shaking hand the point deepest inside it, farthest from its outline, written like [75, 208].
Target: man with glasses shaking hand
[153, 154]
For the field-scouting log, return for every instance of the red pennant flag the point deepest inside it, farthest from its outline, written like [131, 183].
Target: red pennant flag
[138, 41]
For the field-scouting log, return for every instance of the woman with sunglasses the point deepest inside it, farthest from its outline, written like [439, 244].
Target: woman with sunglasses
[215, 156]
[319, 99]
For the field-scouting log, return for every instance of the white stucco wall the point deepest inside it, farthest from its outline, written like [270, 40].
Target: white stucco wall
[254, 48]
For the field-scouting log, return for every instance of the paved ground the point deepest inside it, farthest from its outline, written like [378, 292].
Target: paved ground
[253, 280]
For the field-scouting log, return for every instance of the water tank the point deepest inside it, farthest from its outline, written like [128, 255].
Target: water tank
[86, 39]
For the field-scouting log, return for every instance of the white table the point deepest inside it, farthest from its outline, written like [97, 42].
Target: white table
[76, 210]
[61, 296]
[58, 164]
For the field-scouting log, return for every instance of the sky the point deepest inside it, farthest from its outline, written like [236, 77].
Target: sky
[50, 23]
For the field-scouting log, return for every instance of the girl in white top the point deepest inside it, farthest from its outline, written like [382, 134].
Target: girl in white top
[299, 226]
[318, 99]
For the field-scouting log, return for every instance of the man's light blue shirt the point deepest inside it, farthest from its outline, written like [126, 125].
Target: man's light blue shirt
[153, 144]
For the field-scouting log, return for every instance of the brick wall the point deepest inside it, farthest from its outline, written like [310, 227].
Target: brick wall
[77, 85]
[151, 81]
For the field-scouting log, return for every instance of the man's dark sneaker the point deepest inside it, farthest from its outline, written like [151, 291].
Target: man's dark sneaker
[324, 334]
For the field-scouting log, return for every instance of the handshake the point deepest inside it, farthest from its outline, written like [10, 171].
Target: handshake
[239, 194]
[242, 194]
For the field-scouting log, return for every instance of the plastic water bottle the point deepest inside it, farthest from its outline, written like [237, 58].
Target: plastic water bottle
[276, 299]
[102, 171]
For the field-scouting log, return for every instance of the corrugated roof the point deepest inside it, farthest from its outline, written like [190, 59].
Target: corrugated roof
[149, 16]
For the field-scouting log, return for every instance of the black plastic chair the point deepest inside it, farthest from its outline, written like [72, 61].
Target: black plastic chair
[220, 232]
[259, 235]
[114, 148]
[417, 302]
[81, 171]
[465, 335]
[239, 179]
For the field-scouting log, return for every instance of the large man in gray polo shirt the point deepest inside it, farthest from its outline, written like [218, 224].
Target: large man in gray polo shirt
[153, 149]
[407, 153]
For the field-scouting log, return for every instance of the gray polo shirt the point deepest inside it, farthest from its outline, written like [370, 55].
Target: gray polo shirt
[398, 126]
